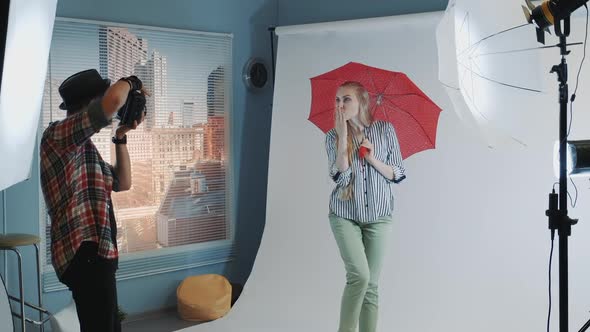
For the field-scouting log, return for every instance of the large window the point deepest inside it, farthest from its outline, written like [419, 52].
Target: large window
[177, 214]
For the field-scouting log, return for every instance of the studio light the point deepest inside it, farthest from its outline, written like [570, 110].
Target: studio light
[571, 157]
[577, 156]
[549, 12]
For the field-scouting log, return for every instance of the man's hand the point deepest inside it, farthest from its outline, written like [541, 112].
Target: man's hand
[134, 82]
[122, 130]
[145, 92]
[116, 95]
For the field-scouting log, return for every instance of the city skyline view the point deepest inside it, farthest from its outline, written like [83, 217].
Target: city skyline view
[178, 154]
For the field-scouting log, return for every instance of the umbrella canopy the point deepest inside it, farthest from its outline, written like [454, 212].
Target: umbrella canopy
[490, 64]
[394, 98]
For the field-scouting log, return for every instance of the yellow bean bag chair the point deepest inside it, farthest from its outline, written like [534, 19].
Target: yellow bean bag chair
[204, 298]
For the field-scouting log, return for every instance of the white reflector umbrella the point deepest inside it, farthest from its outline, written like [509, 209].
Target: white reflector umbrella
[491, 65]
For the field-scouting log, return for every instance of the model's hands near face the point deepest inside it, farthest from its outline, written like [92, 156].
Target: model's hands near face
[340, 123]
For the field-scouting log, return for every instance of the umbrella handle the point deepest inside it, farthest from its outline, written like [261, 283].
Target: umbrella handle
[363, 150]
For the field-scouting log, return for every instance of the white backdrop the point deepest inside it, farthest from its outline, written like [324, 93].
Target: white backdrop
[469, 248]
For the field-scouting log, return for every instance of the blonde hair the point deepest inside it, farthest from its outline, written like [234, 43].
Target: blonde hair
[362, 95]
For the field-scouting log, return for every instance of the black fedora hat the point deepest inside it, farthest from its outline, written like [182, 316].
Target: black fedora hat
[81, 87]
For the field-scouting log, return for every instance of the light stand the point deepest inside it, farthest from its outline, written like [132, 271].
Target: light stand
[558, 215]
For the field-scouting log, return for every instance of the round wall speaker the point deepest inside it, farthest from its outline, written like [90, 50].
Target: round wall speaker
[255, 74]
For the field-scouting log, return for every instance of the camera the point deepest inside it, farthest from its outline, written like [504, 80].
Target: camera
[132, 109]
[134, 105]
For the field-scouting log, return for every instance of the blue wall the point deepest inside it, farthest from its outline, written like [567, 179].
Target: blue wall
[248, 21]
[313, 11]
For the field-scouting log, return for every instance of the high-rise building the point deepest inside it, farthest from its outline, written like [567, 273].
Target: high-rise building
[214, 138]
[214, 129]
[216, 92]
[119, 52]
[199, 152]
[154, 75]
[192, 114]
[139, 144]
[172, 148]
[171, 118]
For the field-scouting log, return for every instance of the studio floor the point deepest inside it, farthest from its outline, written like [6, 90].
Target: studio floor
[163, 321]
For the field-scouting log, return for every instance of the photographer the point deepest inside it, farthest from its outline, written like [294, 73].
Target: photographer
[77, 185]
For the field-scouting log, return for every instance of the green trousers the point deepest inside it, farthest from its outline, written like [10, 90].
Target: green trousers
[362, 247]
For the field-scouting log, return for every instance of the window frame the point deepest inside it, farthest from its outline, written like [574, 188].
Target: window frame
[162, 260]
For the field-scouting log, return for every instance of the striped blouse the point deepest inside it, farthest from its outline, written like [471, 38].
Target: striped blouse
[372, 195]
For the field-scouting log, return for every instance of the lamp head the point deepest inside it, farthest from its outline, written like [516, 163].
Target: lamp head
[577, 158]
[548, 13]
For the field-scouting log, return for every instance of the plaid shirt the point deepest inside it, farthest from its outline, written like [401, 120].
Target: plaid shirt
[77, 185]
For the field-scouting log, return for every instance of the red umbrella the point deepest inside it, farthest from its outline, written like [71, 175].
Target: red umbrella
[394, 98]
